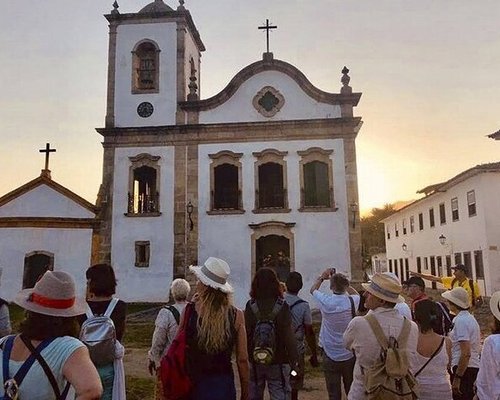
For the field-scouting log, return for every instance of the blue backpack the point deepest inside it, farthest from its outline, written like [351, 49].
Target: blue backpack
[264, 335]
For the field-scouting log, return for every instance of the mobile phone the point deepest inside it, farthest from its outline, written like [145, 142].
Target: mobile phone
[293, 373]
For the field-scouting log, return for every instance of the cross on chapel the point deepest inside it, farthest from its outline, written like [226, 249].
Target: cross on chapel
[268, 28]
[47, 152]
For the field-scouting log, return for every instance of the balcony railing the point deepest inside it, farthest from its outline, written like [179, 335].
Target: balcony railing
[143, 203]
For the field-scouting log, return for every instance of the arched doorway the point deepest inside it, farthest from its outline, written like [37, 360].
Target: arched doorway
[273, 251]
[36, 264]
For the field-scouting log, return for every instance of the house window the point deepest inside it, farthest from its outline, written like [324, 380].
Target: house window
[439, 262]
[390, 265]
[142, 251]
[395, 271]
[431, 217]
[396, 229]
[407, 269]
[426, 263]
[419, 265]
[458, 258]
[448, 265]
[388, 232]
[478, 262]
[143, 195]
[468, 261]
[421, 222]
[145, 68]
[225, 183]
[454, 209]
[270, 179]
[404, 226]
[412, 224]
[442, 214]
[471, 203]
[316, 180]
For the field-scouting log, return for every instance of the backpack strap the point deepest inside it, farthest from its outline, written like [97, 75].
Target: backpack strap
[353, 308]
[175, 313]
[297, 302]
[377, 330]
[88, 312]
[405, 332]
[274, 312]
[36, 354]
[276, 309]
[111, 307]
[7, 349]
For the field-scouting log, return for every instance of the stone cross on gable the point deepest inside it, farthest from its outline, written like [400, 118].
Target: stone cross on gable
[47, 152]
[268, 28]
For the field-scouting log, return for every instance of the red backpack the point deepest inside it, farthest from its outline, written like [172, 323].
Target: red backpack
[175, 380]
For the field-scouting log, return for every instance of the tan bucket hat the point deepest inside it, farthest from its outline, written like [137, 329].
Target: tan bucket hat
[385, 287]
[213, 273]
[495, 305]
[457, 296]
[54, 294]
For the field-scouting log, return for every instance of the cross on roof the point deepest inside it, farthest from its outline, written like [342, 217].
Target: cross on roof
[47, 152]
[268, 27]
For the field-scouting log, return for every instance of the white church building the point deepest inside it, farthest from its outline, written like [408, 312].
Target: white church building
[261, 174]
[457, 222]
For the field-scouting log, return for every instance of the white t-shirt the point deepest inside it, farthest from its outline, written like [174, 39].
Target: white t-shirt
[336, 313]
[488, 378]
[404, 310]
[465, 328]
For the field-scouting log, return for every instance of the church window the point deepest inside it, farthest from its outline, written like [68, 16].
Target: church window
[143, 195]
[145, 68]
[316, 180]
[270, 181]
[268, 101]
[225, 183]
[36, 263]
[142, 252]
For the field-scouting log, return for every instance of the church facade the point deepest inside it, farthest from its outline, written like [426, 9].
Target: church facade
[263, 173]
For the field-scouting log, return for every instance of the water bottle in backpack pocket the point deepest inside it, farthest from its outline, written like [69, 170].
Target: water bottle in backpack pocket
[98, 333]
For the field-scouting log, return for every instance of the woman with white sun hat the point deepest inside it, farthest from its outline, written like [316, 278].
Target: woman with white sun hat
[488, 378]
[465, 344]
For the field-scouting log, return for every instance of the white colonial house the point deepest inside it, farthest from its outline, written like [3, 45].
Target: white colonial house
[261, 174]
[458, 221]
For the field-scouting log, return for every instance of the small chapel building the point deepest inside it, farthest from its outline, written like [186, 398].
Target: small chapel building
[261, 174]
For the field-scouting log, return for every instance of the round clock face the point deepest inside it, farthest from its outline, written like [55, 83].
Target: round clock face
[145, 109]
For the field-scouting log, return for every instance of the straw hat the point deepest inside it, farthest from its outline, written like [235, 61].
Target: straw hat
[457, 296]
[54, 294]
[495, 304]
[213, 273]
[385, 287]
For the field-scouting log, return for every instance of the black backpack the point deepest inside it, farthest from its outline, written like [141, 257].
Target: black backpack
[444, 319]
[264, 335]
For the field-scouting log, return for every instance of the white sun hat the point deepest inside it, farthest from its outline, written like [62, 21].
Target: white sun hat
[495, 305]
[457, 296]
[213, 273]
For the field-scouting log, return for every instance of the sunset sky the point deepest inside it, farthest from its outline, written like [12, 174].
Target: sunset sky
[428, 71]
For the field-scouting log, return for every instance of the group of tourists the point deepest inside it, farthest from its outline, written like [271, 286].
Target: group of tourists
[67, 347]
[371, 346]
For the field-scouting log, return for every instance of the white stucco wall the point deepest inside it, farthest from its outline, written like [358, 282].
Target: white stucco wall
[298, 105]
[43, 201]
[468, 234]
[71, 249]
[164, 102]
[143, 283]
[321, 239]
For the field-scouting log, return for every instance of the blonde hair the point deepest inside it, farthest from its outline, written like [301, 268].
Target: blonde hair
[214, 326]
[180, 289]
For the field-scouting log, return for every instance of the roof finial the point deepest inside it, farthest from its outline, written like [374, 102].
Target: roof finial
[181, 5]
[193, 86]
[115, 8]
[345, 81]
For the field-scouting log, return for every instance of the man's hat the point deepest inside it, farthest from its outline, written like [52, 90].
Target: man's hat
[384, 287]
[415, 280]
[461, 267]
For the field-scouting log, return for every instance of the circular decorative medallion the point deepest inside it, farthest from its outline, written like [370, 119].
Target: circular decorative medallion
[145, 109]
[268, 101]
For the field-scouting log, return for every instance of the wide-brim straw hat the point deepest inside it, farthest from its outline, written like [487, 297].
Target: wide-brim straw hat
[54, 294]
[457, 296]
[385, 287]
[495, 305]
[214, 273]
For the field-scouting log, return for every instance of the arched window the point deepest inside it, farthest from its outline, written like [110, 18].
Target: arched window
[225, 183]
[143, 196]
[145, 68]
[316, 180]
[270, 182]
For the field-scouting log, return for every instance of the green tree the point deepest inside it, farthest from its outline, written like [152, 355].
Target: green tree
[372, 232]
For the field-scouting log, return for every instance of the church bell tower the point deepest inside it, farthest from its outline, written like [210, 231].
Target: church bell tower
[153, 64]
